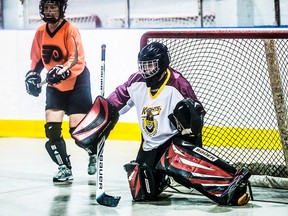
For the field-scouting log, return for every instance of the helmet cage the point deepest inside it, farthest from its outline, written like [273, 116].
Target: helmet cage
[148, 68]
[62, 5]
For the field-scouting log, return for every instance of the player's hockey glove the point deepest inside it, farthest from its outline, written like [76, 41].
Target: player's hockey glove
[187, 117]
[57, 74]
[32, 81]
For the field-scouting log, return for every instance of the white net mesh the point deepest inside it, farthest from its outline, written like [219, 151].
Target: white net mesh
[230, 72]
[81, 21]
[164, 21]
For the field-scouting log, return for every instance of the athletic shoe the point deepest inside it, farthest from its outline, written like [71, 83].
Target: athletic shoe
[236, 191]
[63, 174]
[244, 199]
[92, 164]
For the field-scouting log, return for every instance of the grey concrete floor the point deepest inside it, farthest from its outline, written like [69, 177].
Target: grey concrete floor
[26, 186]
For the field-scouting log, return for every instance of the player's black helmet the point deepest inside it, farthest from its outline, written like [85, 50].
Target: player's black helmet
[153, 59]
[62, 4]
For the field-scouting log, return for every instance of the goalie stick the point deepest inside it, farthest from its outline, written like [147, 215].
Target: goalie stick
[67, 67]
[101, 197]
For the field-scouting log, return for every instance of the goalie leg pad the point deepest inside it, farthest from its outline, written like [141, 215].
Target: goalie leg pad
[197, 168]
[141, 182]
[98, 123]
[135, 181]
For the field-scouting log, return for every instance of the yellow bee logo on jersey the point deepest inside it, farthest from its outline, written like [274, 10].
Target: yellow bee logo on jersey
[149, 123]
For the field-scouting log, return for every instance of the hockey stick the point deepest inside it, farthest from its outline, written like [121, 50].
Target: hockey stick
[67, 67]
[101, 197]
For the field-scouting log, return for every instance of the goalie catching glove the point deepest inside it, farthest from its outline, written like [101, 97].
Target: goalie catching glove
[188, 117]
[57, 74]
[32, 81]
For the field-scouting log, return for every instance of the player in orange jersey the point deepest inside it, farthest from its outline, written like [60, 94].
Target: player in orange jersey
[56, 44]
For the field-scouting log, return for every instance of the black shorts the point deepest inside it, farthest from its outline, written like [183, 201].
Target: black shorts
[76, 101]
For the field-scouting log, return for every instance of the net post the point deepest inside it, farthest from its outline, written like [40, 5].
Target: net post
[278, 94]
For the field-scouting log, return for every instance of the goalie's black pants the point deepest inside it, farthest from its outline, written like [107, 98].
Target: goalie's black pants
[151, 158]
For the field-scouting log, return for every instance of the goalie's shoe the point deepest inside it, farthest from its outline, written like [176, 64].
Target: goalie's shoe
[240, 196]
[164, 184]
[92, 164]
[242, 200]
[236, 194]
[63, 174]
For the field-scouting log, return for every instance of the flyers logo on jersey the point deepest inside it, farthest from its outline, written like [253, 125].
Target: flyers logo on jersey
[149, 123]
[50, 52]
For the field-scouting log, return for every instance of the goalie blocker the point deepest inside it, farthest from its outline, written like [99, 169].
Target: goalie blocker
[98, 123]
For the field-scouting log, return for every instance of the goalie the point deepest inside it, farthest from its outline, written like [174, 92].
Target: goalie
[171, 121]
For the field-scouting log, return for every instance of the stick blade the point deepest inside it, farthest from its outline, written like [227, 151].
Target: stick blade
[107, 200]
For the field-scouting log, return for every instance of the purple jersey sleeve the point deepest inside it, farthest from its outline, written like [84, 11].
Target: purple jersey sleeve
[120, 96]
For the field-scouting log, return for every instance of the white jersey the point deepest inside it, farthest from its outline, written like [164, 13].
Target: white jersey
[153, 110]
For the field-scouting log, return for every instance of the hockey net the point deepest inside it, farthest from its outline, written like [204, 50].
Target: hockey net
[241, 79]
[81, 21]
[163, 21]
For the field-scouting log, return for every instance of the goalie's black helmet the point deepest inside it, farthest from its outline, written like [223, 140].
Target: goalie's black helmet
[62, 4]
[153, 59]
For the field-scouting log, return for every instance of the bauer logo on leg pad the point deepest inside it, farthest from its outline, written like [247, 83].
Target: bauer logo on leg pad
[146, 182]
[205, 154]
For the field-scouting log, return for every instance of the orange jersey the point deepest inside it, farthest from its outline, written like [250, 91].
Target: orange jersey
[57, 48]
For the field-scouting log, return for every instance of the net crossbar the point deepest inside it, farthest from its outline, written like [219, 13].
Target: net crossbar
[241, 79]
[81, 21]
[162, 21]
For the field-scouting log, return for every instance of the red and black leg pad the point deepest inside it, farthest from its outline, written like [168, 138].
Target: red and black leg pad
[141, 182]
[98, 122]
[195, 167]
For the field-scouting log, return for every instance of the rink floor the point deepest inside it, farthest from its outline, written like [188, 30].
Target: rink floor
[26, 186]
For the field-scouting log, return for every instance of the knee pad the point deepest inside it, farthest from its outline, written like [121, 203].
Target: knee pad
[141, 182]
[53, 131]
